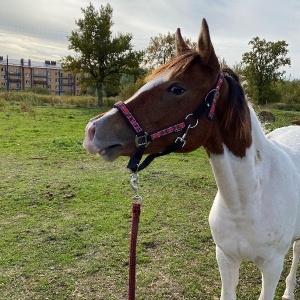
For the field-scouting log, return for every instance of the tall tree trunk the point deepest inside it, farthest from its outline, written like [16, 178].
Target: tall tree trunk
[260, 94]
[99, 93]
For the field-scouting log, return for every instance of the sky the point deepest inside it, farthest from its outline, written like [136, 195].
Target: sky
[38, 30]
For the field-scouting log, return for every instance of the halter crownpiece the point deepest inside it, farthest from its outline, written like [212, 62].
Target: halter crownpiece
[142, 138]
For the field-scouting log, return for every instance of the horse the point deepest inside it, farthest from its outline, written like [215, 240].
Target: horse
[192, 101]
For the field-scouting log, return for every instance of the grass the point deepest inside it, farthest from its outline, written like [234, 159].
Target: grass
[65, 217]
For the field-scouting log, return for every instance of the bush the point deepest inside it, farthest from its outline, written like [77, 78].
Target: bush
[31, 98]
[287, 106]
[289, 91]
[39, 90]
[128, 90]
[2, 102]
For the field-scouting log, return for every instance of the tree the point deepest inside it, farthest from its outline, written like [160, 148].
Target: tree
[100, 56]
[262, 67]
[161, 49]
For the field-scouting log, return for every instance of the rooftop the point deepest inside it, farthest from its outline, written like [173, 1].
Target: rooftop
[30, 63]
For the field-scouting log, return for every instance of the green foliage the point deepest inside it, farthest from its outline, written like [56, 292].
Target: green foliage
[161, 49]
[100, 55]
[2, 102]
[262, 68]
[39, 90]
[28, 99]
[128, 90]
[129, 86]
[289, 91]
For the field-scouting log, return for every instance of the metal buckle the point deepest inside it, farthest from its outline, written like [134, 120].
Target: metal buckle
[180, 140]
[142, 141]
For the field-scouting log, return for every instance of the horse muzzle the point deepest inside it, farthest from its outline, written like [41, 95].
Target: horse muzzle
[105, 136]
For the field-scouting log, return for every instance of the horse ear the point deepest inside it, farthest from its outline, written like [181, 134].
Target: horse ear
[181, 45]
[205, 46]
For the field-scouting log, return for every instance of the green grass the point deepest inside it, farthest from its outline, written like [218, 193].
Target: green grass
[65, 217]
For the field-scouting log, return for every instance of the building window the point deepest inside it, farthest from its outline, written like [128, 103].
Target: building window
[27, 82]
[36, 73]
[3, 84]
[49, 87]
[3, 69]
[18, 85]
[49, 73]
[27, 75]
[49, 79]
[3, 77]
[56, 73]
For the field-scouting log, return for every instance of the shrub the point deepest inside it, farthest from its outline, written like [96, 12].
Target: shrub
[2, 102]
[289, 91]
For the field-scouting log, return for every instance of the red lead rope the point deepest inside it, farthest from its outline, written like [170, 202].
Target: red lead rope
[136, 210]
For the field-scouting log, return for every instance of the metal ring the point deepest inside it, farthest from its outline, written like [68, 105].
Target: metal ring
[196, 123]
[207, 95]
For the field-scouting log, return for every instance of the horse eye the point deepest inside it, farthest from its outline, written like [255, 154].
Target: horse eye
[176, 90]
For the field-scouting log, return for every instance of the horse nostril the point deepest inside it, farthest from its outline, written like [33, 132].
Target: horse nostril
[91, 131]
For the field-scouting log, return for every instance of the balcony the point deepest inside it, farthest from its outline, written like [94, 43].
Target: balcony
[40, 75]
[40, 81]
[13, 80]
[17, 73]
[66, 76]
[69, 83]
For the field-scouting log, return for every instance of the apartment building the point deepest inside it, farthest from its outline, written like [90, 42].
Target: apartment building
[26, 74]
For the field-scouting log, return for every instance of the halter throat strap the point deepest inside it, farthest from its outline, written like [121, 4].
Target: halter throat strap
[142, 138]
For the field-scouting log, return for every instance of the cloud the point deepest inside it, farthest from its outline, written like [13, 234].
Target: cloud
[40, 28]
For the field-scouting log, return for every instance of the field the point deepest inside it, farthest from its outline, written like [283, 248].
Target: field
[65, 217]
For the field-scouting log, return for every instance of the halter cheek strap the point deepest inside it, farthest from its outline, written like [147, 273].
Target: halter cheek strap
[216, 97]
[142, 138]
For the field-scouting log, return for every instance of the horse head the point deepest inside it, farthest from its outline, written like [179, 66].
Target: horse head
[172, 94]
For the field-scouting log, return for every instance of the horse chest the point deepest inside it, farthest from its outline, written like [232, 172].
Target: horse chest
[246, 233]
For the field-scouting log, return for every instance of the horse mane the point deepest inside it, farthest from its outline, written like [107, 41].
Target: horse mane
[178, 64]
[237, 113]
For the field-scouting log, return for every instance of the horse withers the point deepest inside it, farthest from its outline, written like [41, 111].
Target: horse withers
[190, 102]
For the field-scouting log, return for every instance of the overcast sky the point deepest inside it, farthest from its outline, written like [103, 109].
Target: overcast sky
[38, 29]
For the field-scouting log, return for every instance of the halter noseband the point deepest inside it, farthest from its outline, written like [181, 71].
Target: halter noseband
[142, 138]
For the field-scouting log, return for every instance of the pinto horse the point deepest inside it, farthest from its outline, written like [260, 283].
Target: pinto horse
[255, 215]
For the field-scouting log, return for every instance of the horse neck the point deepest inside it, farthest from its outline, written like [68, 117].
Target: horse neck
[238, 177]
